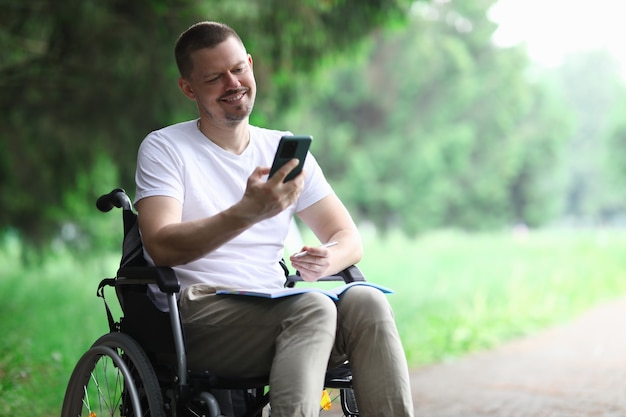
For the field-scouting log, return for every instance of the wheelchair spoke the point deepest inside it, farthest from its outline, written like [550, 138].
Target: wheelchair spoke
[102, 393]
[114, 378]
[86, 400]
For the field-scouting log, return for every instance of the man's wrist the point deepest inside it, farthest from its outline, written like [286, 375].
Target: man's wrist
[237, 217]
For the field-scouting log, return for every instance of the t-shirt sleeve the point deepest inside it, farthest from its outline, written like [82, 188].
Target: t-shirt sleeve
[315, 187]
[159, 169]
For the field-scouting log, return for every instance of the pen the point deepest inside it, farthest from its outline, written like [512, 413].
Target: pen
[325, 245]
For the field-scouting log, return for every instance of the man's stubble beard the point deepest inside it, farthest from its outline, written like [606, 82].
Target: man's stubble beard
[232, 119]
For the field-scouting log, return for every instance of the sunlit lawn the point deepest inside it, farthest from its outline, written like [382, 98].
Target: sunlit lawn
[462, 292]
[454, 293]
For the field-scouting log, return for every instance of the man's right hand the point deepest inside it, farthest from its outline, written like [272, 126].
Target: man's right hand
[265, 199]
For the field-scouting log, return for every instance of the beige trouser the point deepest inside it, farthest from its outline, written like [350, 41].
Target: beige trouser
[292, 340]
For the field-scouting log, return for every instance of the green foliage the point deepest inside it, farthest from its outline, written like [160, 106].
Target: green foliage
[616, 158]
[420, 121]
[79, 82]
[592, 84]
[457, 293]
[39, 306]
[431, 126]
[89, 77]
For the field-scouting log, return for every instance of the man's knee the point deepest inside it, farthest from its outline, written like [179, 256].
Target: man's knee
[315, 307]
[364, 301]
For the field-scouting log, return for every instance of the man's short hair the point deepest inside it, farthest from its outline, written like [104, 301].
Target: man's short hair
[198, 36]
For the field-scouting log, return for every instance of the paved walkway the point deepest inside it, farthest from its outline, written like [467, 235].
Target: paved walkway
[574, 370]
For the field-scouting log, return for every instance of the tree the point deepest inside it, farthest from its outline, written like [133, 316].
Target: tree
[79, 81]
[86, 78]
[593, 86]
[433, 126]
[614, 160]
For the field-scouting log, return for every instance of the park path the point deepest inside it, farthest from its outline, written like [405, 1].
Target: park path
[577, 369]
[573, 370]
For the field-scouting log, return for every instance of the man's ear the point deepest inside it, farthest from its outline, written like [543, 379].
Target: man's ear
[185, 87]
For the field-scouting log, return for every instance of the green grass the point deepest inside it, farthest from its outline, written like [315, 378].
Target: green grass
[49, 316]
[455, 293]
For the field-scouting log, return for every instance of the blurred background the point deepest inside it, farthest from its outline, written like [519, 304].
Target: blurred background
[425, 114]
[479, 144]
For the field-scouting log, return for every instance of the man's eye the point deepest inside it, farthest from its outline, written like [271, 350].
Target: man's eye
[213, 80]
[238, 70]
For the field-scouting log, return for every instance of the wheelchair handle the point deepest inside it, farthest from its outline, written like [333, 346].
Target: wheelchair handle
[116, 198]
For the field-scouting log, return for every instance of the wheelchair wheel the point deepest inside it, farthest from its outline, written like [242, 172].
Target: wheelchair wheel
[348, 403]
[113, 378]
[339, 398]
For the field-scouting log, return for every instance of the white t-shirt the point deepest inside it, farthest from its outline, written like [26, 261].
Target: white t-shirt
[178, 161]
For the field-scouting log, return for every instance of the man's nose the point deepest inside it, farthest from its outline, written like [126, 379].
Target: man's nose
[231, 81]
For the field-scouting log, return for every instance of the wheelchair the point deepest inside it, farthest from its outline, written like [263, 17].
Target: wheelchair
[139, 368]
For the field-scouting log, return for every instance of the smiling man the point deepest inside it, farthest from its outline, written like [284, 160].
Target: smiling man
[207, 209]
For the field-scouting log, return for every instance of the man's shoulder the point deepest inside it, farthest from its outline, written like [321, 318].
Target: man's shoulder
[177, 128]
[172, 135]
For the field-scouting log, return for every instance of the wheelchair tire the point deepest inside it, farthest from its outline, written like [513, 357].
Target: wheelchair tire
[113, 378]
[348, 403]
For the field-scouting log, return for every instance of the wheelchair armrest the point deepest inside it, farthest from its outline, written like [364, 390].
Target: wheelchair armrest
[164, 277]
[348, 275]
[352, 274]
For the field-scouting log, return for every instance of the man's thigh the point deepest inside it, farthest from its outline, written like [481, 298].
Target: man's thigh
[235, 335]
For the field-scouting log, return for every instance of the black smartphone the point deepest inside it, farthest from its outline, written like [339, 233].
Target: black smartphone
[291, 147]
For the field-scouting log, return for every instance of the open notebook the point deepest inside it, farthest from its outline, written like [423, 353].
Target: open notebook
[286, 292]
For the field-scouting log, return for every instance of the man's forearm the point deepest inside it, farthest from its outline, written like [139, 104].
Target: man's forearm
[348, 252]
[181, 243]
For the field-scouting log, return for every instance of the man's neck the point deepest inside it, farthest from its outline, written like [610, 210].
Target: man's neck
[233, 139]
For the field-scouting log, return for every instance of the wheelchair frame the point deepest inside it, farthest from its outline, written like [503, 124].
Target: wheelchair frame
[117, 362]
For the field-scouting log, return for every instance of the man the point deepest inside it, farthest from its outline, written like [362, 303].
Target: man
[207, 209]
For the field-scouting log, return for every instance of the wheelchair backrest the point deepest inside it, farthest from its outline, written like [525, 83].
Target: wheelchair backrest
[132, 248]
[142, 320]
